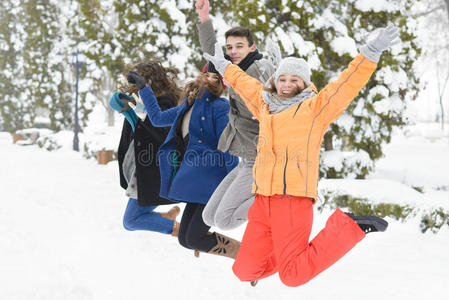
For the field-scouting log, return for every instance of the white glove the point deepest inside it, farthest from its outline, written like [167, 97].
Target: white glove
[218, 59]
[387, 37]
[274, 52]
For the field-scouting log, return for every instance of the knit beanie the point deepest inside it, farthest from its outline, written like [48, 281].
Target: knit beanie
[210, 68]
[293, 65]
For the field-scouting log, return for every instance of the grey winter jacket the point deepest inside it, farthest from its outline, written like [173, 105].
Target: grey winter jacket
[240, 136]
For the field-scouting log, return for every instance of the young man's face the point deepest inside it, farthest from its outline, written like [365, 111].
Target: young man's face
[237, 47]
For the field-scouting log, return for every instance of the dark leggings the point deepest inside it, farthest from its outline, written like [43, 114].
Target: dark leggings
[193, 232]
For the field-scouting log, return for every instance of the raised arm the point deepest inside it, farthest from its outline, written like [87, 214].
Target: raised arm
[337, 95]
[247, 87]
[206, 30]
[156, 116]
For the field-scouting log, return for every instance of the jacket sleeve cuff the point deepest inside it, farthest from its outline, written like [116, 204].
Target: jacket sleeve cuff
[370, 53]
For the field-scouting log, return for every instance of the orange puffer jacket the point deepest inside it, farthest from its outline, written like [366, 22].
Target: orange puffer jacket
[288, 152]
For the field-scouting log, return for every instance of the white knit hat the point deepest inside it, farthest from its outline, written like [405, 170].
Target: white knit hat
[293, 65]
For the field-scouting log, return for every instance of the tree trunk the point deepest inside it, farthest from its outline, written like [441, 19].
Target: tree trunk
[327, 142]
[447, 8]
[111, 114]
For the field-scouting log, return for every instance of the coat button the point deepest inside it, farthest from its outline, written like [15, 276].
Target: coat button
[133, 185]
[200, 141]
[201, 129]
[203, 118]
[207, 99]
[138, 144]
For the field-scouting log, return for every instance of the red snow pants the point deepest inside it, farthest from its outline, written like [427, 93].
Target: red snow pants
[276, 239]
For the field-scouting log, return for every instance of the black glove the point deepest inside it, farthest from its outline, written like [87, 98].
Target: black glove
[134, 78]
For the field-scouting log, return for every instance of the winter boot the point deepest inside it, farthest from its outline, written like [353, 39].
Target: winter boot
[254, 282]
[369, 223]
[175, 231]
[226, 246]
[172, 213]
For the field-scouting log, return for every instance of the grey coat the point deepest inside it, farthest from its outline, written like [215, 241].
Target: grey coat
[241, 134]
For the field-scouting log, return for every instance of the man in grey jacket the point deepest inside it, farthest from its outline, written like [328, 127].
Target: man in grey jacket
[229, 205]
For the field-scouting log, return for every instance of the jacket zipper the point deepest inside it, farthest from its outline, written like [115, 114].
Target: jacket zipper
[255, 179]
[285, 171]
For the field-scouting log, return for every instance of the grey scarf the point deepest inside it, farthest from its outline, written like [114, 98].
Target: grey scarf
[276, 105]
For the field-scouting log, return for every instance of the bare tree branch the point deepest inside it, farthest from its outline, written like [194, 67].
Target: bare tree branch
[447, 8]
[432, 10]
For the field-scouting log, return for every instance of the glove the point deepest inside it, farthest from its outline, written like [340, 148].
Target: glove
[118, 102]
[387, 37]
[134, 78]
[218, 59]
[274, 52]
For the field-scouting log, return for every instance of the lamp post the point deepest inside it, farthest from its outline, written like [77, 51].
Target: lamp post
[78, 63]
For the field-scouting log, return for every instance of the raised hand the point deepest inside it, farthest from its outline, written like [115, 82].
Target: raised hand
[202, 8]
[218, 59]
[386, 38]
[273, 51]
[135, 78]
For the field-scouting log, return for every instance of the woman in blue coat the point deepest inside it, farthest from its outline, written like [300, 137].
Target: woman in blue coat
[191, 166]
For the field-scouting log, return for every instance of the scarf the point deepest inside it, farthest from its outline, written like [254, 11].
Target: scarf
[248, 60]
[276, 105]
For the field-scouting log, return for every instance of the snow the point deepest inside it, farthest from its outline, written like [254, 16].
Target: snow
[62, 234]
[343, 45]
[375, 6]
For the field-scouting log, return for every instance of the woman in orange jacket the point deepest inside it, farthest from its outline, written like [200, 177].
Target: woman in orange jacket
[293, 120]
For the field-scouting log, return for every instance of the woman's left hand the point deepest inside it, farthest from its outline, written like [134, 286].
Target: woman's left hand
[135, 78]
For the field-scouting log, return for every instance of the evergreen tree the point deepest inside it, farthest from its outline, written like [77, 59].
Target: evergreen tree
[46, 85]
[327, 34]
[32, 78]
[16, 113]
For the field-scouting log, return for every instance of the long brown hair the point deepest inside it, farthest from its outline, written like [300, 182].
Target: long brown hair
[192, 88]
[163, 80]
[272, 89]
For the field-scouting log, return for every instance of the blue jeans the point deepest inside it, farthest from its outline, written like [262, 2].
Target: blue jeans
[144, 218]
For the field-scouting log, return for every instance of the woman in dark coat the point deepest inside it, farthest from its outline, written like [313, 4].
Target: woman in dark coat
[190, 164]
[137, 153]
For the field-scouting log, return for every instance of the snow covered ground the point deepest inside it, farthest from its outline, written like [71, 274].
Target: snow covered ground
[62, 237]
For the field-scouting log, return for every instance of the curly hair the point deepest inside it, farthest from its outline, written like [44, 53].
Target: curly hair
[192, 88]
[163, 80]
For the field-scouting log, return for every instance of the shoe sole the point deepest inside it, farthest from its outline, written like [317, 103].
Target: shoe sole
[379, 223]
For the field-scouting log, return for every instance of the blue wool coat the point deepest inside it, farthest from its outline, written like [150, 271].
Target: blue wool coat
[203, 166]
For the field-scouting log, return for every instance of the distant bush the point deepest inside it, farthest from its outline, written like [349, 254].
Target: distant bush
[432, 220]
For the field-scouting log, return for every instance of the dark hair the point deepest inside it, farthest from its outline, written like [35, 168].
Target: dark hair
[195, 89]
[240, 31]
[163, 80]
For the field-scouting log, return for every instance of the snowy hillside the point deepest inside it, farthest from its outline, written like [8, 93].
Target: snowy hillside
[62, 236]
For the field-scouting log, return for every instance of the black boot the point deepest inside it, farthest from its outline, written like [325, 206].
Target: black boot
[254, 282]
[369, 223]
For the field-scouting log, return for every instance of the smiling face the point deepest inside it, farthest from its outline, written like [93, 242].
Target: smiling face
[289, 85]
[237, 47]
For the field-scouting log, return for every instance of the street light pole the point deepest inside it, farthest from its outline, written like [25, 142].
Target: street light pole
[78, 65]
